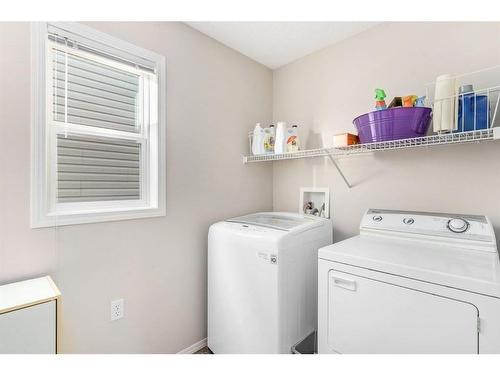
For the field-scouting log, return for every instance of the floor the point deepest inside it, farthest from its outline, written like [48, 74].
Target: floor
[204, 350]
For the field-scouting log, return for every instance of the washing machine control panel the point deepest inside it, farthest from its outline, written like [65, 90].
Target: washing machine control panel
[432, 225]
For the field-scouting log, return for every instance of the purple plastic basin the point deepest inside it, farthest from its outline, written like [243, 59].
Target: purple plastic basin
[393, 123]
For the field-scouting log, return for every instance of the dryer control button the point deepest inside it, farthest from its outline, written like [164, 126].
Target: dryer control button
[377, 218]
[408, 220]
[458, 225]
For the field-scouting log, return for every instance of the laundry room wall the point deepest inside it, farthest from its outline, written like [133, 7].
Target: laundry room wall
[325, 91]
[158, 265]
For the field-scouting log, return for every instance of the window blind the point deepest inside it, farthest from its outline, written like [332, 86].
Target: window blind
[64, 37]
[97, 169]
[98, 134]
[89, 93]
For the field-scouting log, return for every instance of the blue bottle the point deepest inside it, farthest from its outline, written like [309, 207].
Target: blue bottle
[471, 108]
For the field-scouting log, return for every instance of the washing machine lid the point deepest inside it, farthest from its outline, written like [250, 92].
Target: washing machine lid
[278, 220]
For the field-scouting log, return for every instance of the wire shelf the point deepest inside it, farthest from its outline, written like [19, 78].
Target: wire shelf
[340, 152]
[452, 122]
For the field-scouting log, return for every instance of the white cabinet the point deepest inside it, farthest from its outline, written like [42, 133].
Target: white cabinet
[29, 312]
[29, 330]
[371, 316]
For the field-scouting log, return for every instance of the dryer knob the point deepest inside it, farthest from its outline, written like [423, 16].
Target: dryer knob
[408, 220]
[458, 225]
[377, 218]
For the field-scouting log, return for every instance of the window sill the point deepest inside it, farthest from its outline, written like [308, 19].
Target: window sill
[95, 217]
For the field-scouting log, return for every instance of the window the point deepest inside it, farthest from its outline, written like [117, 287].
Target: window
[98, 127]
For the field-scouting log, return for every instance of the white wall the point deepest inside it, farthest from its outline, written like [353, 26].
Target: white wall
[324, 91]
[214, 96]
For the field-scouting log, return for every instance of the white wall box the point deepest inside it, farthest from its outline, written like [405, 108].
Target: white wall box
[320, 198]
[30, 317]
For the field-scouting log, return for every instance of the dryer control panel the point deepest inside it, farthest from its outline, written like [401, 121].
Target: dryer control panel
[434, 226]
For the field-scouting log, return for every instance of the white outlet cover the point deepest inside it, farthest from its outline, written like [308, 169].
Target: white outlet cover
[117, 309]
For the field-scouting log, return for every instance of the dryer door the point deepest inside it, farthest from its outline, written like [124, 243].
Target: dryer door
[370, 316]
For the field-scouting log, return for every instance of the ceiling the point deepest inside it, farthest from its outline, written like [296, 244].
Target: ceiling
[275, 44]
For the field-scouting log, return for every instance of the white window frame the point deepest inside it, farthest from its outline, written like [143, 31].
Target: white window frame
[45, 211]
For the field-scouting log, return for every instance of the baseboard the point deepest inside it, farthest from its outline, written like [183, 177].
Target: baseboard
[195, 347]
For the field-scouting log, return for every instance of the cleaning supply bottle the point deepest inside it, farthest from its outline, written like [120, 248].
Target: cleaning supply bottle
[258, 140]
[269, 138]
[292, 139]
[420, 102]
[380, 99]
[409, 100]
[280, 140]
[472, 110]
[443, 113]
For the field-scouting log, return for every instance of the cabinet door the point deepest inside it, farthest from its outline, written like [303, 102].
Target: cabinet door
[31, 330]
[370, 316]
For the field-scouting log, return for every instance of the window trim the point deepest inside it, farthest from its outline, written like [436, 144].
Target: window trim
[41, 215]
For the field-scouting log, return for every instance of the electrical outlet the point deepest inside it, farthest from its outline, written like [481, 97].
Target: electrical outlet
[117, 309]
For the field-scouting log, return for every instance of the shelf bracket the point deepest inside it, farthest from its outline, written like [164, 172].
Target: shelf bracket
[338, 169]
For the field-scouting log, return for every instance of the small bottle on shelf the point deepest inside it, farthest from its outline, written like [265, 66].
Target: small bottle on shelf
[280, 140]
[258, 140]
[292, 139]
[269, 139]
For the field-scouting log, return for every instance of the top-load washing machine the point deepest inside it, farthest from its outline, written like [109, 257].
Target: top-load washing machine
[411, 282]
[262, 281]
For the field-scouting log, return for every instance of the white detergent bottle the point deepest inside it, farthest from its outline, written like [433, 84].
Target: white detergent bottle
[258, 140]
[269, 135]
[292, 139]
[280, 140]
